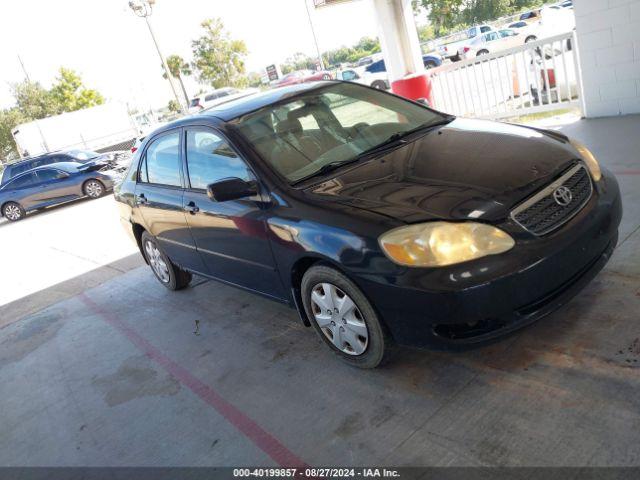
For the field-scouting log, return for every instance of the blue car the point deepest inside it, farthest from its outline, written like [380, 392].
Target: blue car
[51, 185]
[430, 61]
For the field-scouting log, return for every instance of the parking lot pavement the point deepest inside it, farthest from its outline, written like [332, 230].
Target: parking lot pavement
[127, 373]
[59, 252]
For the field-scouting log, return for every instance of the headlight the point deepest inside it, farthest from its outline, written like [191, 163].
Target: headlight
[589, 159]
[437, 244]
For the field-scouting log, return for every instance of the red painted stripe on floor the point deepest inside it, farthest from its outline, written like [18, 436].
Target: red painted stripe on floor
[254, 432]
[627, 172]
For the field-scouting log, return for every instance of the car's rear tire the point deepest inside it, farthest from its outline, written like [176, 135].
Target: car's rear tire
[530, 38]
[429, 64]
[168, 274]
[93, 188]
[482, 52]
[326, 76]
[379, 84]
[13, 211]
[344, 318]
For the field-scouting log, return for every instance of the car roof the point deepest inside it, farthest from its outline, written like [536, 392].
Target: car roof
[237, 107]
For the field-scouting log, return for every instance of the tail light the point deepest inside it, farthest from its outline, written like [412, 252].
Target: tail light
[466, 49]
[133, 149]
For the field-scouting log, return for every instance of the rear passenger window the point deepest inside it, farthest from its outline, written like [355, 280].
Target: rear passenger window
[210, 158]
[24, 181]
[162, 161]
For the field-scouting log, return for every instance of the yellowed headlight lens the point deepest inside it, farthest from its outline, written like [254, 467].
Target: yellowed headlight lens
[589, 160]
[437, 244]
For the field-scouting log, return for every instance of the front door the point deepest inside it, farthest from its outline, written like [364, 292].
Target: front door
[159, 196]
[231, 236]
[55, 186]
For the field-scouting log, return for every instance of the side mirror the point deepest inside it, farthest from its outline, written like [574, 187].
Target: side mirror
[231, 189]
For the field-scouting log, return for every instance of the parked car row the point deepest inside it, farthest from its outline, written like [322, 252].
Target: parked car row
[532, 25]
[55, 178]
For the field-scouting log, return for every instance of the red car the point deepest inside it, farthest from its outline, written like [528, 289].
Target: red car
[302, 76]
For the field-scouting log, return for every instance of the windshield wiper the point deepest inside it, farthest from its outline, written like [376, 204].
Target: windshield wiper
[391, 142]
[398, 136]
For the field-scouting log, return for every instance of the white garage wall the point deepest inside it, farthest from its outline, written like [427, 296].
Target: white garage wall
[609, 38]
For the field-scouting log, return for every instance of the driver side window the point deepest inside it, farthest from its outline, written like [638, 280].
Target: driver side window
[210, 159]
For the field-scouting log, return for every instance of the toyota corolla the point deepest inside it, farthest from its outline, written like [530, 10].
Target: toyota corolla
[381, 221]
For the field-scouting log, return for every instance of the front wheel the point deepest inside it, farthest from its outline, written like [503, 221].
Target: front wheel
[93, 188]
[13, 211]
[344, 318]
[530, 38]
[163, 268]
[326, 76]
[379, 85]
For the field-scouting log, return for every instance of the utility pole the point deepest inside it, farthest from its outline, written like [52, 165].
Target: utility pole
[144, 9]
[313, 32]
[44, 140]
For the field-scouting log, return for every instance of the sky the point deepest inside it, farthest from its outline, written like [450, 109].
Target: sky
[113, 52]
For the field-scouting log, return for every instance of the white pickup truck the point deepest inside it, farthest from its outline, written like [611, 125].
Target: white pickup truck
[458, 41]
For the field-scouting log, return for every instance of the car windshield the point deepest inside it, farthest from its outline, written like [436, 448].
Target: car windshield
[83, 155]
[328, 126]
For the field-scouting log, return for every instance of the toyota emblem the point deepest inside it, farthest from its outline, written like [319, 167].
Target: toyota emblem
[563, 196]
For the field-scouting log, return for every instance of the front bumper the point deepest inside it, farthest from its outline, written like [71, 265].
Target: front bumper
[478, 301]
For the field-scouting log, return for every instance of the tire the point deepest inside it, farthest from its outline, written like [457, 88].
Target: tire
[530, 38]
[429, 65]
[163, 268]
[13, 211]
[360, 324]
[326, 76]
[482, 52]
[94, 188]
[379, 84]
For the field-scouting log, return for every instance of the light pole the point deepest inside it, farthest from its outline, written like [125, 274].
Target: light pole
[144, 9]
[315, 39]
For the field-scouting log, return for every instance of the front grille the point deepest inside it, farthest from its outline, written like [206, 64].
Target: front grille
[542, 214]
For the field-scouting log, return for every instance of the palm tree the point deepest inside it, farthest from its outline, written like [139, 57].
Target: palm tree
[178, 67]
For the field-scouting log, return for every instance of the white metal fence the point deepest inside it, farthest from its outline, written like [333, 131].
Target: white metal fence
[538, 76]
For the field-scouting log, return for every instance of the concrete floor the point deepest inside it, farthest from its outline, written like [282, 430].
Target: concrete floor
[105, 369]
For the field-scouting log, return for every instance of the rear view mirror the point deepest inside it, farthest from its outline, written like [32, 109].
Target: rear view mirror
[231, 189]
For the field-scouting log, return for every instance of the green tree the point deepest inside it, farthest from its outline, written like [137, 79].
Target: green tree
[178, 67]
[174, 106]
[9, 118]
[69, 94]
[298, 61]
[217, 58]
[33, 101]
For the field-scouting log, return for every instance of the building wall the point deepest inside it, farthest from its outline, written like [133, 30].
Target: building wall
[609, 38]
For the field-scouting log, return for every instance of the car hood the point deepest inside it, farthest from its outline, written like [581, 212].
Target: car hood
[468, 169]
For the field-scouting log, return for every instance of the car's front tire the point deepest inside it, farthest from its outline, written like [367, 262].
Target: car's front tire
[344, 318]
[166, 272]
[94, 188]
[13, 211]
[379, 85]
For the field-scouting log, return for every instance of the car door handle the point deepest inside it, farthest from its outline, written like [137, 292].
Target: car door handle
[192, 208]
[141, 199]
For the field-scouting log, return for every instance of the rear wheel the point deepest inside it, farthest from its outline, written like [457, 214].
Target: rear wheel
[163, 268]
[326, 76]
[344, 318]
[13, 211]
[430, 64]
[93, 188]
[379, 84]
[530, 38]
[483, 52]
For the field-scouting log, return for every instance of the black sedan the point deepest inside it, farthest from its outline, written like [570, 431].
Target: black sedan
[380, 220]
[53, 184]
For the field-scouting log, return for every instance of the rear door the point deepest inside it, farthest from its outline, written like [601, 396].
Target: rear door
[23, 189]
[158, 197]
[231, 236]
